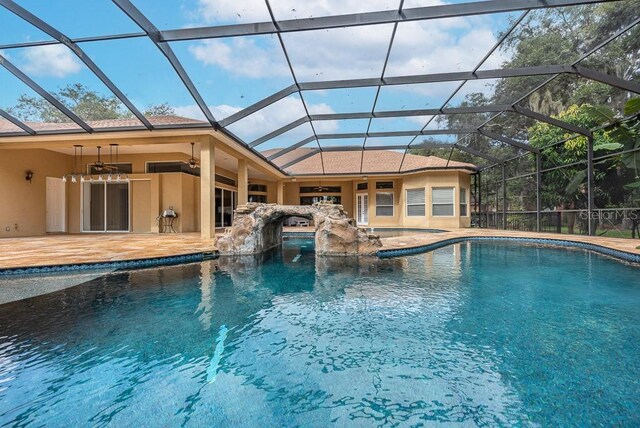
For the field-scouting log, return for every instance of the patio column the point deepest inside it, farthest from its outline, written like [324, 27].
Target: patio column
[207, 189]
[243, 182]
[280, 193]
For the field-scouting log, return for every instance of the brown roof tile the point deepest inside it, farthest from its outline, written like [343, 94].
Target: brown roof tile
[349, 162]
[6, 126]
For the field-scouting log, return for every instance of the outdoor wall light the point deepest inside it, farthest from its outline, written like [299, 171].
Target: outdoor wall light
[28, 175]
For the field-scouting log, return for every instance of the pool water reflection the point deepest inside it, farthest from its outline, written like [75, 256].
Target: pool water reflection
[475, 333]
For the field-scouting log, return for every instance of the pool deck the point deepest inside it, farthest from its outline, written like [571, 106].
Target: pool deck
[57, 250]
[419, 240]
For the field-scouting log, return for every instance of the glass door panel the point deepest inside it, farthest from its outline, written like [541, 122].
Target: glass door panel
[218, 207]
[93, 205]
[362, 203]
[228, 208]
[117, 212]
[105, 207]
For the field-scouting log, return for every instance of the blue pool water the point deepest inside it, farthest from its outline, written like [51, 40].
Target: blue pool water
[481, 333]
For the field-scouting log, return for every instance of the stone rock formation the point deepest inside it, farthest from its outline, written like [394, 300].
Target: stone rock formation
[258, 227]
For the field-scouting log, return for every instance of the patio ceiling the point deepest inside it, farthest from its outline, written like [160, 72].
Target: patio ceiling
[285, 74]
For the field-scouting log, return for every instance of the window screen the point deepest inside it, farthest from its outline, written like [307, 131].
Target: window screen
[415, 202]
[442, 201]
[384, 204]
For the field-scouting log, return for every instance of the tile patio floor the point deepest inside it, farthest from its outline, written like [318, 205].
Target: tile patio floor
[71, 249]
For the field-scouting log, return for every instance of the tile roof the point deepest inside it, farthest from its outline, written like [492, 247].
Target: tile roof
[335, 162]
[345, 162]
[6, 126]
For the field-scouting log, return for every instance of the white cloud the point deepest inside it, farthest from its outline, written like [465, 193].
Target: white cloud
[222, 11]
[242, 56]
[433, 46]
[50, 60]
[454, 44]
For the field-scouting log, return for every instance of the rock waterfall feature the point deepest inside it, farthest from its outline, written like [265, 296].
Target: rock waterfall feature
[258, 227]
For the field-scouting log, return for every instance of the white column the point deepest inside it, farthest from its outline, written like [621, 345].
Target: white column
[243, 182]
[280, 193]
[207, 189]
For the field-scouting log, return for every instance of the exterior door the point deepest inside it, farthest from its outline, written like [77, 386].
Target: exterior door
[362, 205]
[56, 205]
[105, 207]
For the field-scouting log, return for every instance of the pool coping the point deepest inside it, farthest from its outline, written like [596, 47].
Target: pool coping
[619, 254]
[112, 265]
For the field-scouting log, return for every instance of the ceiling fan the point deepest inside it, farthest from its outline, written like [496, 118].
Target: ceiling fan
[320, 188]
[99, 166]
[193, 164]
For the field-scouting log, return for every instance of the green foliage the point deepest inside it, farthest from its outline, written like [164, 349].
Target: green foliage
[566, 186]
[160, 110]
[85, 103]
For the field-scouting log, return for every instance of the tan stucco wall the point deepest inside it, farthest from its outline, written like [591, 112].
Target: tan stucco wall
[425, 180]
[292, 192]
[23, 203]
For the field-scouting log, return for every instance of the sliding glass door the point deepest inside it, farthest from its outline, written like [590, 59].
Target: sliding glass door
[105, 207]
[225, 204]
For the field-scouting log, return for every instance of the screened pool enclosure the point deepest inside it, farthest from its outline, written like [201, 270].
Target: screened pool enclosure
[540, 95]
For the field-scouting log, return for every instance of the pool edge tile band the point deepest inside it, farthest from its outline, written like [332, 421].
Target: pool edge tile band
[619, 254]
[116, 265]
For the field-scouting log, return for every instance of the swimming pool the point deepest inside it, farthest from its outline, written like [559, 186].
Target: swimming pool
[477, 333]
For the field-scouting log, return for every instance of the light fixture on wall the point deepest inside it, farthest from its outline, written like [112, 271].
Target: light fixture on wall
[75, 176]
[28, 175]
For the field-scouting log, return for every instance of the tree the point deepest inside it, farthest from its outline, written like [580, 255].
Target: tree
[626, 133]
[160, 110]
[565, 184]
[561, 36]
[85, 103]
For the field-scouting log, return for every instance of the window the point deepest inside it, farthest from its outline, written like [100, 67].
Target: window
[258, 198]
[384, 184]
[384, 204]
[257, 187]
[122, 168]
[362, 186]
[310, 200]
[442, 201]
[224, 180]
[463, 202]
[415, 202]
[321, 189]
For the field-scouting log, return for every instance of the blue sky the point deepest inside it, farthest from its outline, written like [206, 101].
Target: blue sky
[231, 74]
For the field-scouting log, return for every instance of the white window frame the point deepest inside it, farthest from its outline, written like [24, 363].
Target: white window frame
[423, 204]
[463, 202]
[453, 202]
[393, 199]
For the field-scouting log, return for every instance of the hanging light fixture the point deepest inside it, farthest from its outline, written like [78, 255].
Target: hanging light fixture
[192, 162]
[119, 176]
[75, 176]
